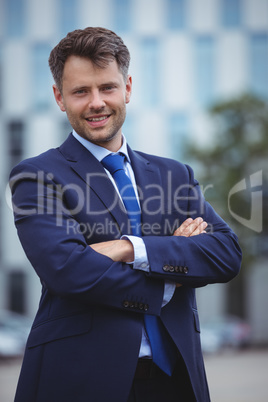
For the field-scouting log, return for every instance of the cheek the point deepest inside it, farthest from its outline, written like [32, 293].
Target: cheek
[75, 108]
[117, 100]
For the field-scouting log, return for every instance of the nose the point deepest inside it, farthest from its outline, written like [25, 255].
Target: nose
[96, 100]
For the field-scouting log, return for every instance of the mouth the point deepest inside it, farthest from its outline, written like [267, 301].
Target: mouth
[98, 121]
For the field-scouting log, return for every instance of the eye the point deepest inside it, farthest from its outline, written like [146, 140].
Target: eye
[108, 88]
[80, 91]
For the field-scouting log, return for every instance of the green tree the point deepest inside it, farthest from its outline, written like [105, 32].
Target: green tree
[237, 151]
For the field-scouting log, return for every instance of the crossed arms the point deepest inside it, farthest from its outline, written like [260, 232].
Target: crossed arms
[98, 274]
[122, 250]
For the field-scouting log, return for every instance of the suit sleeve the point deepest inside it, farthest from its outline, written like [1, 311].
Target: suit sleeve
[214, 257]
[66, 265]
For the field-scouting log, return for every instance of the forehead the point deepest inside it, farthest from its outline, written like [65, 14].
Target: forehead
[78, 68]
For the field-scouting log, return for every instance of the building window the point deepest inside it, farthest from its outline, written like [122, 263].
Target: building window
[176, 14]
[41, 79]
[150, 56]
[204, 70]
[178, 126]
[121, 14]
[68, 16]
[17, 292]
[1, 231]
[259, 64]
[15, 142]
[231, 13]
[15, 18]
[1, 76]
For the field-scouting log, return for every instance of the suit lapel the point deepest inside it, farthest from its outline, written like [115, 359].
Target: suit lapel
[92, 172]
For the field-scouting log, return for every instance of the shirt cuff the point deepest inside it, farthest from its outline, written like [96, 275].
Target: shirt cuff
[169, 290]
[140, 254]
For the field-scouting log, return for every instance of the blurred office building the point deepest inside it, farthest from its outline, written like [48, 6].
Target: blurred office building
[185, 55]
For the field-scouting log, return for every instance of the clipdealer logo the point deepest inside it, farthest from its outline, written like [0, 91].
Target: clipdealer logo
[255, 222]
[252, 184]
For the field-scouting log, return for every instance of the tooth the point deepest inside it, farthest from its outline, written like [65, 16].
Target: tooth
[98, 118]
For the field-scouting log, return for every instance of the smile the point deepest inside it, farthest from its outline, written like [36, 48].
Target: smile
[98, 121]
[94, 119]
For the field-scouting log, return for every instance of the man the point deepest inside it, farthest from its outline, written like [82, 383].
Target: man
[118, 270]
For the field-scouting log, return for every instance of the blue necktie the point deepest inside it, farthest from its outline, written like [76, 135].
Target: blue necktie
[164, 354]
[114, 163]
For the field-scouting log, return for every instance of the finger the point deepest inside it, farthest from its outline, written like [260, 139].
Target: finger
[199, 229]
[189, 228]
[182, 228]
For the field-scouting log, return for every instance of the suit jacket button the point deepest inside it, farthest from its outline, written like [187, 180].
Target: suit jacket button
[185, 270]
[166, 268]
[141, 306]
[126, 303]
[181, 269]
[171, 268]
[177, 269]
[146, 307]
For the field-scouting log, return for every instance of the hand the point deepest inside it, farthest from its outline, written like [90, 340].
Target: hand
[117, 250]
[191, 227]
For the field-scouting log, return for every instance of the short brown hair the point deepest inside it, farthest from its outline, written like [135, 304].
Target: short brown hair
[100, 45]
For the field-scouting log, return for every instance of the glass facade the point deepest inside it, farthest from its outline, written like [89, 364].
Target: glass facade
[15, 14]
[259, 64]
[176, 14]
[129, 130]
[151, 75]
[121, 15]
[231, 13]
[1, 232]
[179, 128]
[1, 76]
[41, 78]
[68, 16]
[184, 54]
[204, 65]
[16, 132]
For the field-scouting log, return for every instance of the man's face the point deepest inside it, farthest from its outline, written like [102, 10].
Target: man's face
[94, 100]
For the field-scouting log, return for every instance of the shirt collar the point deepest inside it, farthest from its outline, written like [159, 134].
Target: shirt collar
[98, 151]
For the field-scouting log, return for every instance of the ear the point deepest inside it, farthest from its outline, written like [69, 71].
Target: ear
[128, 88]
[59, 98]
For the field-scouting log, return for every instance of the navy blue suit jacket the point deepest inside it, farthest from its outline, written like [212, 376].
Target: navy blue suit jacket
[85, 339]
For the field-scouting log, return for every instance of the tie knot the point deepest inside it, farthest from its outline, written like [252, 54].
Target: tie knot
[113, 162]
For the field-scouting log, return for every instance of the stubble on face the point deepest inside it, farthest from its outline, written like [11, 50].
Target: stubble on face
[94, 100]
[98, 135]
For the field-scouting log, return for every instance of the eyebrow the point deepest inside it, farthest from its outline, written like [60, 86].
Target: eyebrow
[104, 84]
[79, 87]
[110, 83]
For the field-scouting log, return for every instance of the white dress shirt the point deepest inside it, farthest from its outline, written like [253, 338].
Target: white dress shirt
[140, 255]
